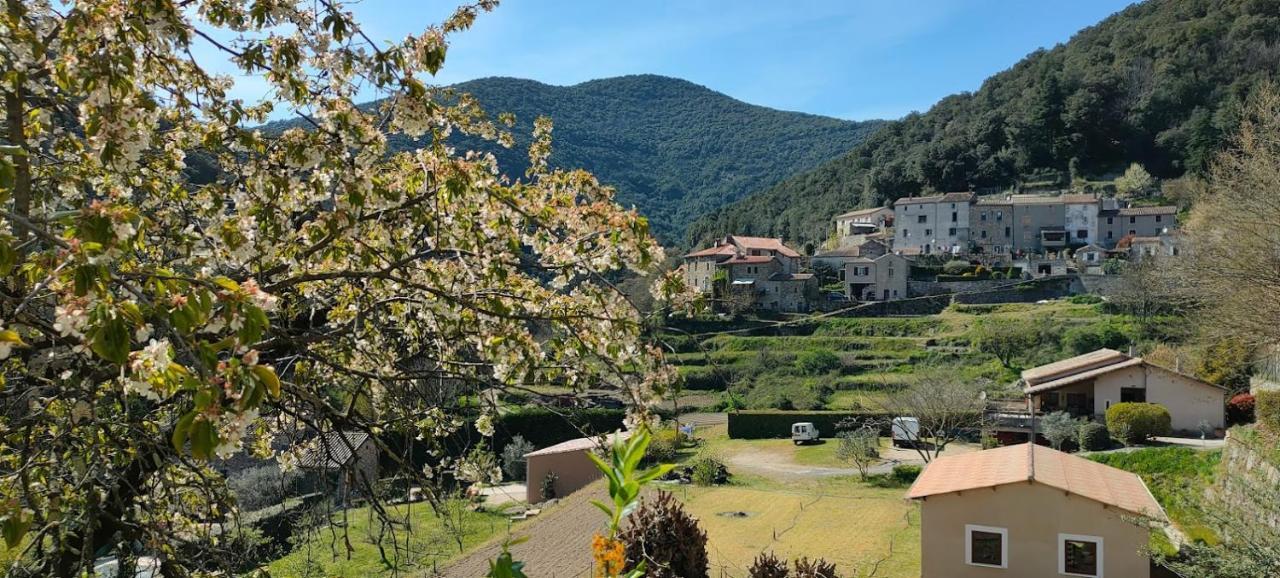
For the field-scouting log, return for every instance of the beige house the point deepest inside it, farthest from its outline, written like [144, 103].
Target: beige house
[1115, 224]
[854, 226]
[837, 258]
[933, 224]
[1086, 385]
[883, 278]
[1027, 511]
[567, 465]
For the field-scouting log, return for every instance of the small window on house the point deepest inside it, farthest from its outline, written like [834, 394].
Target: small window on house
[1157, 218]
[1109, 235]
[986, 546]
[922, 219]
[1133, 220]
[1008, 232]
[1110, 220]
[1132, 232]
[982, 234]
[842, 274]
[1080, 555]
[1082, 234]
[999, 215]
[955, 217]
[1133, 395]
[928, 232]
[951, 231]
[983, 216]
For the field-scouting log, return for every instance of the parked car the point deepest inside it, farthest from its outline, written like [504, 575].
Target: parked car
[906, 432]
[803, 432]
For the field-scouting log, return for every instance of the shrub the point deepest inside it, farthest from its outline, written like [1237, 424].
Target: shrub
[1059, 428]
[662, 448]
[1093, 436]
[666, 538]
[1267, 409]
[1085, 299]
[1094, 337]
[262, 486]
[548, 490]
[1137, 422]
[819, 568]
[988, 440]
[768, 566]
[955, 267]
[906, 473]
[817, 361]
[513, 458]
[708, 470]
[1240, 409]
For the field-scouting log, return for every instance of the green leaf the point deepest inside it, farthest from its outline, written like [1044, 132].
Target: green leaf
[267, 377]
[181, 429]
[15, 526]
[226, 283]
[111, 341]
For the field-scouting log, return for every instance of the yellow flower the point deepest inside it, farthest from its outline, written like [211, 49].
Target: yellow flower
[609, 556]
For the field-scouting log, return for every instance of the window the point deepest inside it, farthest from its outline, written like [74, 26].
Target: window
[986, 546]
[1110, 220]
[1133, 220]
[928, 232]
[1132, 232]
[999, 215]
[982, 234]
[983, 216]
[1157, 218]
[1008, 232]
[1082, 234]
[922, 219]
[906, 233]
[1109, 235]
[955, 217]
[842, 274]
[1133, 394]
[1080, 555]
[951, 231]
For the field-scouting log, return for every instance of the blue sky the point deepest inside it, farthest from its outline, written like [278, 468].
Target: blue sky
[853, 59]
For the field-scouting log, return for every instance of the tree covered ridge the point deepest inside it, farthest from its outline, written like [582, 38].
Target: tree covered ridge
[675, 150]
[1160, 83]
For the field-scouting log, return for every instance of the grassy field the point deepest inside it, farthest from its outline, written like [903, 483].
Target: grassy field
[423, 540]
[1177, 478]
[857, 527]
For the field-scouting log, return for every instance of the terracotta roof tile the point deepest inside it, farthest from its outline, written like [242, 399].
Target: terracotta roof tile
[578, 444]
[1071, 365]
[1013, 464]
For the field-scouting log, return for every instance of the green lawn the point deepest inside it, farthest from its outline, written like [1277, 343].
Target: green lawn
[422, 537]
[1177, 478]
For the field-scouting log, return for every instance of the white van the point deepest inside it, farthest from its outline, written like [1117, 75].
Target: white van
[804, 432]
[906, 432]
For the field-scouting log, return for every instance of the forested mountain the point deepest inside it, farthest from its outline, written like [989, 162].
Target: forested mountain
[674, 149]
[1160, 83]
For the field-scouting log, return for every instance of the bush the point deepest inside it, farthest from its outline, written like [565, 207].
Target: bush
[1093, 436]
[666, 538]
[806, 568]
[1267, 409]
[906, 473]
[768, 566]
[956, 267]
[817, 361]
[1085, 299]
[513, 458]
[548, 489]
[1240, 409]
[258, 487]
[1089, 338]
[1138, 422]
[752, 425]
[662, 448]
[708, 470]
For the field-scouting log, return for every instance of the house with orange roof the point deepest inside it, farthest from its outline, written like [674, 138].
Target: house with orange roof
[759, 272]
[1086, 385]
[1027, 511]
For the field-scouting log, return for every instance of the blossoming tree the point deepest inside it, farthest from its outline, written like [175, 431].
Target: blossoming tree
[178, 281]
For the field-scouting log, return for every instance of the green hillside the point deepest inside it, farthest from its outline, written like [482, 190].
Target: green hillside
[1159, 83]
[673, 149]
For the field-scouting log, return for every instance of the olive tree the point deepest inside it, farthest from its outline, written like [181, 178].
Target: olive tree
[945, 406]
[178, 281]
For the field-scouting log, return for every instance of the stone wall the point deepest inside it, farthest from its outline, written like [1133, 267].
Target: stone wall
[1250, 469]
[998, 290]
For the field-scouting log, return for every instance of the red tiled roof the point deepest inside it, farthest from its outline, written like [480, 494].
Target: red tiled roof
[766, 243]
[1014, 464]
[713, 251]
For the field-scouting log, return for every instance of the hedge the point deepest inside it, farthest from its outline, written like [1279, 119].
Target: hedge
[1267, 409]
[543, 427]
[1137, 422]
[750, 425]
